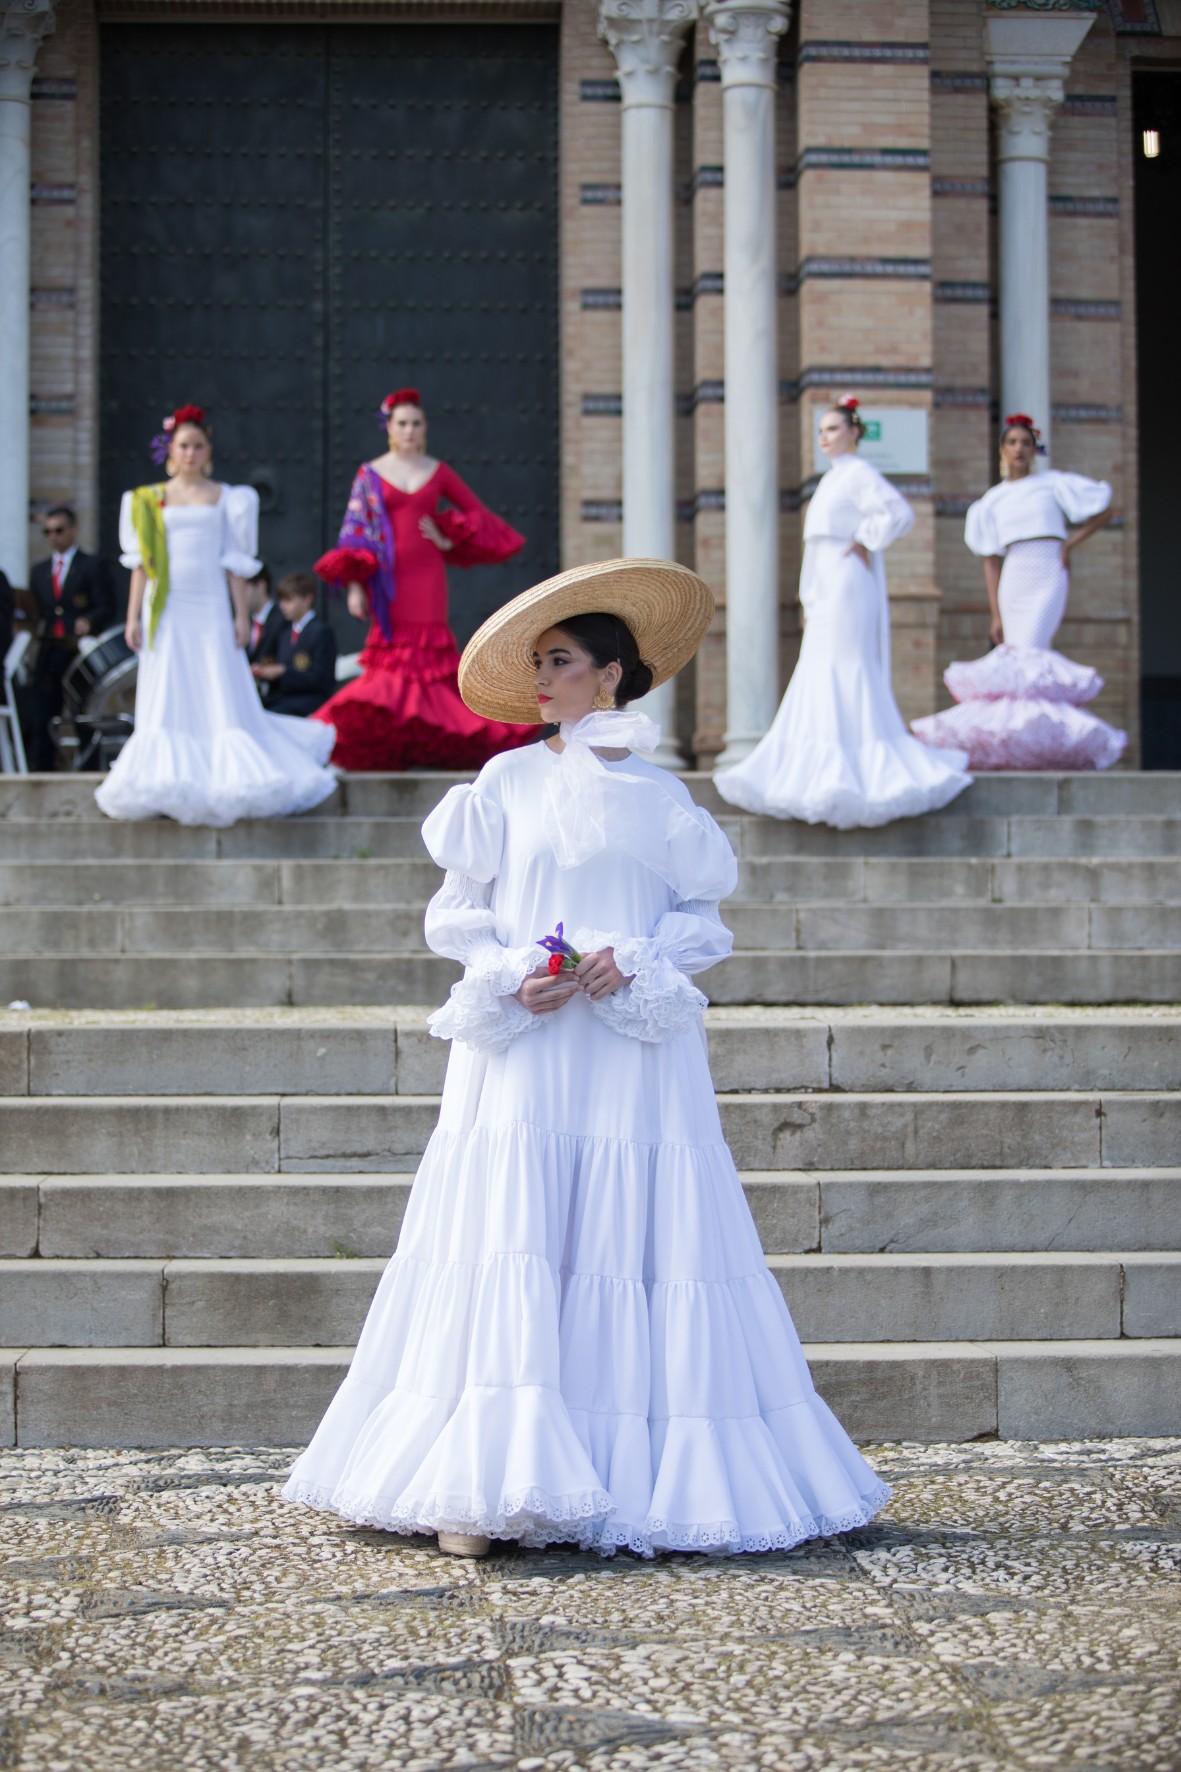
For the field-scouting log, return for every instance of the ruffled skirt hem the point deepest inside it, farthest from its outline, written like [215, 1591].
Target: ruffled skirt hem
[1019, 707]
[820, 784]
[169, 774]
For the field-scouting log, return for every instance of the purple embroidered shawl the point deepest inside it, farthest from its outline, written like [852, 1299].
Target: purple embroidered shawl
[367, 525]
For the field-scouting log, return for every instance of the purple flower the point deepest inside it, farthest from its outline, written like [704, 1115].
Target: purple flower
[557, 944]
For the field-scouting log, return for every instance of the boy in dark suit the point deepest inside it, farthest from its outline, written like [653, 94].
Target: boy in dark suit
[303, 675]
[75, 597]
[266, 619]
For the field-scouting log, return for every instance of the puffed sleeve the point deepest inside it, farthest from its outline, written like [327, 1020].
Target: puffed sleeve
[1080, 498]
[477, 535]
[980, 529]
[883, 513]
[129, 554]
[661, 1002]
[465, 835]
[240, 534]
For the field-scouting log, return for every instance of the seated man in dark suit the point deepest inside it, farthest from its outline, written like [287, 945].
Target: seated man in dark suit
[266, 624]
[7, 613]
[75, 596]
[304, 673]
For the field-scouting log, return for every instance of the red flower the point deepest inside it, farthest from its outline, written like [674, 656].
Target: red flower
[189, 415]
[556, 962]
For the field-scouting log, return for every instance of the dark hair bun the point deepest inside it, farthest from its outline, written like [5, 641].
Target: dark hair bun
[633, 684]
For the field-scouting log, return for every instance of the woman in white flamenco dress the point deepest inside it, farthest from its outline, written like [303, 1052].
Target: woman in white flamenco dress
[203, 751]
[1021, 706]
[578, 1339]
[838, 751]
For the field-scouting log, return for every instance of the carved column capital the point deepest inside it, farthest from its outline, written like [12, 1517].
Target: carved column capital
[23, 23]
[645, 37]
[1028, 58]
[746, 35]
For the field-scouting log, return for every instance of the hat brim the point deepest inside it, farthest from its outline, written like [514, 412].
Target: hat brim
[667, 607]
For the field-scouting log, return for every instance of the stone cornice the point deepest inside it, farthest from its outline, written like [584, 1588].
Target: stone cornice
[646, 37]
[23, 23]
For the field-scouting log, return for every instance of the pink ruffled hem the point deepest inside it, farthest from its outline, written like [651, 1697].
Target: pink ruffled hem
[1025, 673]
[1024, 734]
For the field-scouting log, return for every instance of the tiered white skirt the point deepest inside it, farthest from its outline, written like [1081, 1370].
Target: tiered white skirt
[578, 1340]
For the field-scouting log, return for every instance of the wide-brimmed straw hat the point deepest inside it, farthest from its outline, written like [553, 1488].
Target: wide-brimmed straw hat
[667, 607]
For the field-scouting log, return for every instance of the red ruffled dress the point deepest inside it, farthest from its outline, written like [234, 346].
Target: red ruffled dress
[405, 711]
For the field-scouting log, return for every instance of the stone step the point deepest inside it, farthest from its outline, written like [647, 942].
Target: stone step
[839, 977]
[343, 838]
[785, 879]
[100, 930]
[380, 1051]
[380, 1134]
[1121, 792]
[252, 1302]
[955, 1211]
[926, 1391]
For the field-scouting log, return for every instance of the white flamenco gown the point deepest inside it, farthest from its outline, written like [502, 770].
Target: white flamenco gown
[578, 1339]
[1021, 706]
[204, 751]
[838, 751]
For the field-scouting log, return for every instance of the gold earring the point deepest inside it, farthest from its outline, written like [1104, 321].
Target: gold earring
[604, 699]
[207, 470]
[170, 468]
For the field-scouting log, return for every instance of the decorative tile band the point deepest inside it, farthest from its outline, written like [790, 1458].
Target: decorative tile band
[51, 405]
[953, 504]
[1087, 415]
[707, 73]
[707, 178]
[909, 485]
[591, 196]
[961, 187]
[958, 82]
[963, 292]
[853, 376]
[41, 193]
[962, 397]
[45, 87]
[710, 498]
[602, 405]
[1063, 307]
[916, 268]
[1089, 104]
[1135, 18]
[1084, 206]
[592, 299]
[599, 92]
[51, 298]
[706, 393]
[707, 283]
[864, 160]
[602, 510]
[839, 51]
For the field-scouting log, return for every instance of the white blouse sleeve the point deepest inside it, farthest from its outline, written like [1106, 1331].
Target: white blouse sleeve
[660, 1002]
[1080, 498]
[980, 530]
[465, 834]
[129, 554]
[240, 532]
[884, 514]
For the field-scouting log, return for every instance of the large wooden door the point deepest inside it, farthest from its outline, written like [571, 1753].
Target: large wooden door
[296, 219]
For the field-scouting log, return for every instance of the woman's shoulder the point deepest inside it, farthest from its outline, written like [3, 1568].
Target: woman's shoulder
[506, 766]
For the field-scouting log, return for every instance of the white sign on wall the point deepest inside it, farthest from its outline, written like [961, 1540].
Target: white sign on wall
[896, 439]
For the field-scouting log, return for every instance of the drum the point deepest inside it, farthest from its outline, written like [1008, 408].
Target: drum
[98, 702]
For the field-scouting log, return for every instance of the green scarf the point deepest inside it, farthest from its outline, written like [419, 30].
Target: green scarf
[147, 516]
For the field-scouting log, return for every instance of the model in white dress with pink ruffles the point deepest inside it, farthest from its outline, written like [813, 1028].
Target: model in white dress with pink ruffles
[1021, 706]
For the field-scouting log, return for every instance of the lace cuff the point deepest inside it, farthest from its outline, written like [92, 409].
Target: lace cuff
[660, 1002]
[482, 1010]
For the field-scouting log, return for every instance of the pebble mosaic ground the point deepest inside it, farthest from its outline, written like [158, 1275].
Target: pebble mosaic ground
[1015, 1606]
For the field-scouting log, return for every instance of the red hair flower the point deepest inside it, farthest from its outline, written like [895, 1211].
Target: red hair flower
[848, 403]
[399, 397]
[1023, 419]
[187, 415]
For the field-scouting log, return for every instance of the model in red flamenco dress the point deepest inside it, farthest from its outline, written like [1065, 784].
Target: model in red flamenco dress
[404, 711]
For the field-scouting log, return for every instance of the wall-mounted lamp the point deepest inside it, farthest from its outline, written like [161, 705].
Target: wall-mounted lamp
[1150, 139]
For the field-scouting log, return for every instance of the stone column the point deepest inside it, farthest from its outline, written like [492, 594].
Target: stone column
[646, 37]
[1028, 58]
[746, 33]
[23, 23]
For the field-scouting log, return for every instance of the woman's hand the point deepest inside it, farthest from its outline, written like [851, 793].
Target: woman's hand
[859, 548]
[133, 633]
[357, 601]
[598, 975]
[542, 993]
[1066, 547]
[428, 527]
[241, 631]
[996, 631]
[269, 671]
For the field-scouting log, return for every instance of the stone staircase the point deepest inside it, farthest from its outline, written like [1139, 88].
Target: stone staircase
[970, 1192]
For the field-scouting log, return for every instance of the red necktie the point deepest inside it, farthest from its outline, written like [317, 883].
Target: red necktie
[255, 634]
[59, 626]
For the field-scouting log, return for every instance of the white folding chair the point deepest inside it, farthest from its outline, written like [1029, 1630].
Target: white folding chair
[12, 744]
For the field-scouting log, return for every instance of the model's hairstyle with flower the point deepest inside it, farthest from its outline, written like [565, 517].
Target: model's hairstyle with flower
[849, 406]
[608, 640]
[161, 444]
[399, 397]
[1017, 421]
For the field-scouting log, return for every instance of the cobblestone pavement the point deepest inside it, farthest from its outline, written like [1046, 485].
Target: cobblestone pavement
[1016, 1606]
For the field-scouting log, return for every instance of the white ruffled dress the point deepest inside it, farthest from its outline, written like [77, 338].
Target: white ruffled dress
[578, 1338]
[1021, 706]
[838, 751]
[204, 751]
